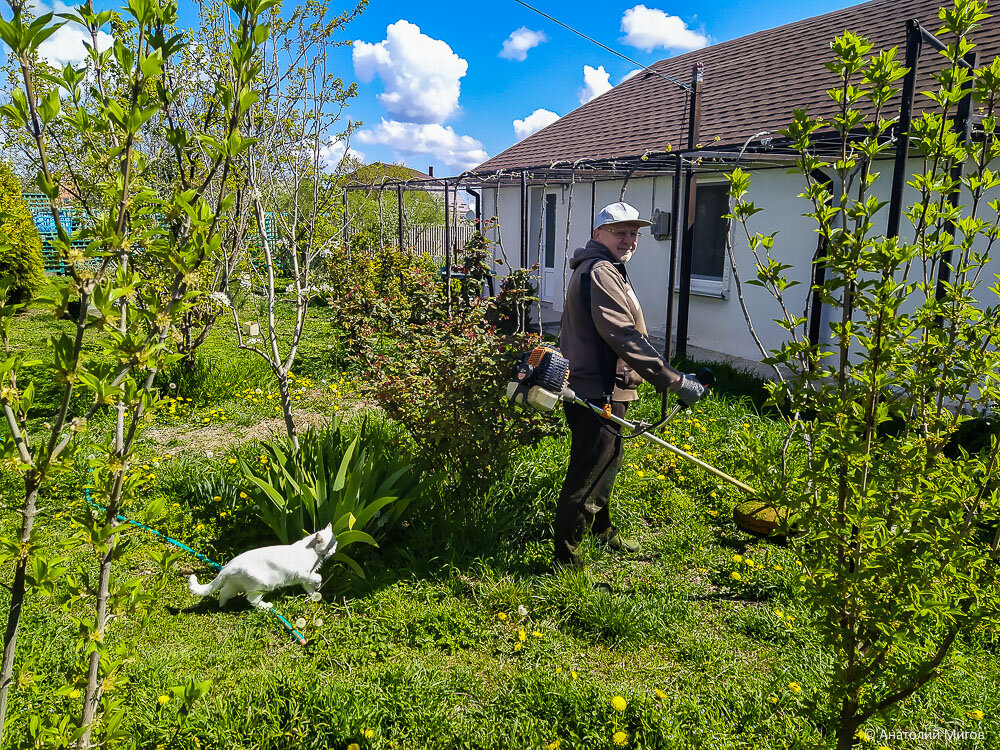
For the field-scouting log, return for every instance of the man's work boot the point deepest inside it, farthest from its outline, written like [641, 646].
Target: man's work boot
[617, 542]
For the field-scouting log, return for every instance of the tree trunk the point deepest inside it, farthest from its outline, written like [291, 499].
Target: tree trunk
[847, 728]
[17, 591]
[92, 696]
[286, 408]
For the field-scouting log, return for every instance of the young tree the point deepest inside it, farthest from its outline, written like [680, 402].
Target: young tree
[111, 105]
[287, 184]
[20, 249]
[898, 540]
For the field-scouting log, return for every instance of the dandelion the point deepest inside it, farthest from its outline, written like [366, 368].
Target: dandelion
[778, 568]
[620, 739]
[300, 623]
[573, 675]
[522, 610]
[368, 733]
[217, 498]
[795, 687]
[862, 735]
[501, 616]
[74, 694]
[315, 596]
[232, 460]
[736, 576]
[976, 715]
[748, 562]
[536, 634]
[618, 704]
[353, 746]
[554, 745]
[163, 700]
[773, 699]
[558, 670]
[713, 513]
[243, 496]
[517, 646]
[521, 635]
[779, 613]
[737, 558]
[318, 622]
[660, 694]
[209, 454]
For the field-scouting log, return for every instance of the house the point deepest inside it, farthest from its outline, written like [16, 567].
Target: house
[546, 188]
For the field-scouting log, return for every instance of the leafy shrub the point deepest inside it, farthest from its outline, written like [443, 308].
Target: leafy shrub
[446, 382]
[359, 483]
[20, 247]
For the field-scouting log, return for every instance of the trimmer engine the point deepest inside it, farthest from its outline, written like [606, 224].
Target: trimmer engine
[540, 379]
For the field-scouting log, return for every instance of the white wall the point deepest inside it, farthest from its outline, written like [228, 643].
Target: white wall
[716, 325]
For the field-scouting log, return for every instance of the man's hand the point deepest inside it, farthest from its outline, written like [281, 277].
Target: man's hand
[689, 391]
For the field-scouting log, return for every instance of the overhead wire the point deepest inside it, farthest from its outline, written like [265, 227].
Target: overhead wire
[664, 76]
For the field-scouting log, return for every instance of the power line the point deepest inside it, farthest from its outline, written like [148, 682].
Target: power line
[685, 86]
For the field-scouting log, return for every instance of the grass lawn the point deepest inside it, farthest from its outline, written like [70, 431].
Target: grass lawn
[461, 636]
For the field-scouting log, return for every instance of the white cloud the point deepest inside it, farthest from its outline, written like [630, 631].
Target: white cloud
[421, 75]
[516, 46]
[533, 123]
[631, 73]
[595, 82]
[332, 153]
[66, 45]
[649, 28]
[444, 145]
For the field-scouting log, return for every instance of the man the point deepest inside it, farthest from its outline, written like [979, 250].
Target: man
[604, 338]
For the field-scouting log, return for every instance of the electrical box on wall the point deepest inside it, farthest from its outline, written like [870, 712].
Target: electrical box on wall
[661, 225]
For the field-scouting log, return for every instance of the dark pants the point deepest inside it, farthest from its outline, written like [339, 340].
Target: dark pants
[595, 456]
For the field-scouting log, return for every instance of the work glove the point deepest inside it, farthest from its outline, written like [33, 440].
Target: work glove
[690, 391]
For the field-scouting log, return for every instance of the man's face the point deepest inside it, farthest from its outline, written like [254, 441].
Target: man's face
[620, 239]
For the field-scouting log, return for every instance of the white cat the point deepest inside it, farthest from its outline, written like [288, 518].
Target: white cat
[258, 571]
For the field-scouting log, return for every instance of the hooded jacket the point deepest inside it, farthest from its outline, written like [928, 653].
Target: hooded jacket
[609, 329]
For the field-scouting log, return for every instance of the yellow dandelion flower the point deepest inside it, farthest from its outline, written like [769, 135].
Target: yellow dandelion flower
[536, 634]
[217, 498]
[795, 687]
[232, 460]
[353, 746]
[748, 562]
[737, 558]
[620, 739]
[736, 576]
[660, 694]
[243, 495]
[368, 733]
[618, 704]
[778, 568]
[779, 613]
[521, 635]
[976, 715]
[773, 699]
[862, 735]
[74, 694]
[713, 513]
[573, 675]
[163, 700]
[517, 646]
[554, 744]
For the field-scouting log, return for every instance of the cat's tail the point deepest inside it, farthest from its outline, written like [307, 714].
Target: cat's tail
[197, 589]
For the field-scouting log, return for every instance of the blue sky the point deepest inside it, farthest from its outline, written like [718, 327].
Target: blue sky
[543, 68]
[450, 86]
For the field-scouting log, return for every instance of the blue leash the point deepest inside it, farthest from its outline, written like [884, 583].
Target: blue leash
[169, 540]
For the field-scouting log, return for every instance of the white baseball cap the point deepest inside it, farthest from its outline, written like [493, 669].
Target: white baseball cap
[618, 213]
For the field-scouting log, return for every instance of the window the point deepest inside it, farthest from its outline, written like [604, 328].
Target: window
[550, 230]
[709, 262]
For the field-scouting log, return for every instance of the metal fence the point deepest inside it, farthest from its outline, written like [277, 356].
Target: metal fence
[429, 238]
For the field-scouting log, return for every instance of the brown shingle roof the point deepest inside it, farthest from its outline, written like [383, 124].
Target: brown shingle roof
[751, 84]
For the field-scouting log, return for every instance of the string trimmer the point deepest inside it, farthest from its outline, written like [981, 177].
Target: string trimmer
[541, 380]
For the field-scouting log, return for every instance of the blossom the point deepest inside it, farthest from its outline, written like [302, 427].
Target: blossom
[554, 745]
[521, 635]
[220, 298]
[736, 576]
[660, 694]
[353, 746]
[501, 616]
[368, 733]
[300, 623]
[315, 596]
[618, 704]
[74, 694]
[976, 715]
[163, 700]
[620, 739]
[795, 687]
[737, 558]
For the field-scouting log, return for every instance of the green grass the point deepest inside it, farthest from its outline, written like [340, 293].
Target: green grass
[461, 636]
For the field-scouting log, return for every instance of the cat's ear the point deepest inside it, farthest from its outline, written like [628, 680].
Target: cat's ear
[329, 527]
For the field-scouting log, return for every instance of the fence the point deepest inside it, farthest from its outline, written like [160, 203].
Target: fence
[429, 238]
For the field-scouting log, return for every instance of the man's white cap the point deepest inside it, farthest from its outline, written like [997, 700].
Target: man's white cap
[618, 213]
